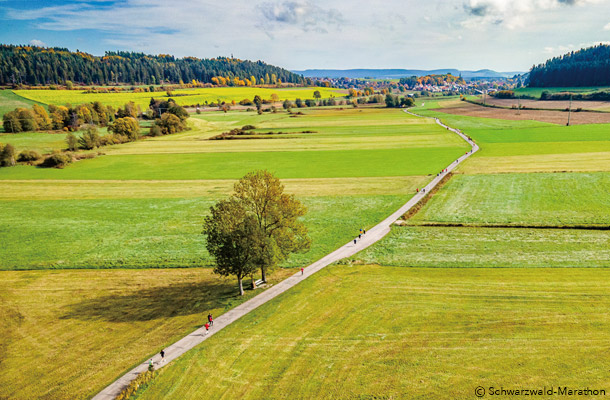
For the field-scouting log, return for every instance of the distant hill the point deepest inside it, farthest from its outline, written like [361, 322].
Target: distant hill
[585, 67]
[400, 73]
[33, 65]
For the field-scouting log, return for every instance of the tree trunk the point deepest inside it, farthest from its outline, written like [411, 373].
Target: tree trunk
[241, 286]
[264, 276]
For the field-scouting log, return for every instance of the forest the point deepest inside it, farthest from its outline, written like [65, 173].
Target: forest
[31, 65]
[585, 67]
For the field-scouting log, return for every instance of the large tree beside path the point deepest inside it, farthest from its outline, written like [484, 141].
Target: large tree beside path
[256, 228]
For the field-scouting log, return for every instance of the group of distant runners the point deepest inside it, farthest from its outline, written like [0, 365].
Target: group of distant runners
[362, 232]
[162, 353]
[444, 171]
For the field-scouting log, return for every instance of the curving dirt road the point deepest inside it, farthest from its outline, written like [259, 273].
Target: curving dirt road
[373, 235]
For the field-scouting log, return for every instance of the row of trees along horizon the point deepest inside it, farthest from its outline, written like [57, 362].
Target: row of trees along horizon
[34, 65]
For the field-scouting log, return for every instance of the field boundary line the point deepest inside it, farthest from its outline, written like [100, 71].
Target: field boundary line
[504, 226]
[372, 236]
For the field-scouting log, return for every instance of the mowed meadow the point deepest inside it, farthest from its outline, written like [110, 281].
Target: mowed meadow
[492, 283]
[118, 221]
[504, 208]
[130, 218]
[528, 145]
[369, 331]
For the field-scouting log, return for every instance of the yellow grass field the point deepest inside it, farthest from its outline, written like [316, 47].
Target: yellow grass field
[183, 97]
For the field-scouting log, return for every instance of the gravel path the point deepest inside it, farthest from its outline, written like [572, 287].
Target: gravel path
[373, 235]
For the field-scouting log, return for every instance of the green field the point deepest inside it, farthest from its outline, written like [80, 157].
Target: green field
[536, 92]
[521, 199]
[41, 142]
[9, 101]
[346, 143]
[297, 164]
[529, 146]
[352, 331]
[157, 233]
[145, 210]
[182, 96]
[367, 332]
[92, 215]
[67, 334]
[468, 247]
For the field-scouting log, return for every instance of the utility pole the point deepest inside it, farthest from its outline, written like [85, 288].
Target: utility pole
[569, 110]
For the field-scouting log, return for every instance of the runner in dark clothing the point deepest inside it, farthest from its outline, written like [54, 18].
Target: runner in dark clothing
[354, 241]
[162, 355]
[210, 320]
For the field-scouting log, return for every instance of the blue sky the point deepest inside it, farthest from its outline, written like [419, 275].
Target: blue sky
[505, 35]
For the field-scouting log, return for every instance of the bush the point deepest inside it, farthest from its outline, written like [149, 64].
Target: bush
[90, 139]
[10, 122]
[71, 141]
[57, 160]
[126, 126]
[110, 139]
[248, 127]
[155, 131]
[169, 124]
[179, 112]
[27, 120]
[29, 156]
[7, 156]
[505, 94]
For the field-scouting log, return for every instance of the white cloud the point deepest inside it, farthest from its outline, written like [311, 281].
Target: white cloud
[512, 14]
[607, 27]
[299, 34]
[36, 42]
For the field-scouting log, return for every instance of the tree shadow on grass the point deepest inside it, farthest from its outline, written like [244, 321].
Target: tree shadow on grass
[154, 303]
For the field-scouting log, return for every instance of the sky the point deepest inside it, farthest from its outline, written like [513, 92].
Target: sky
[503, 35]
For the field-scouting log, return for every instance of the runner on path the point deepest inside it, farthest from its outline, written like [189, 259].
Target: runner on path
[162, 356]
[302, 270]
[210, 320]
[207, 327]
